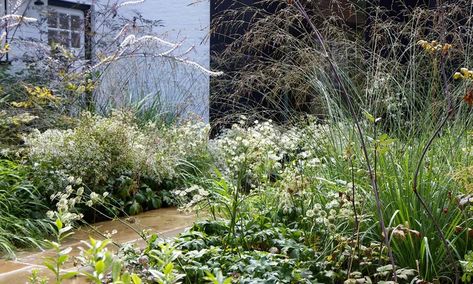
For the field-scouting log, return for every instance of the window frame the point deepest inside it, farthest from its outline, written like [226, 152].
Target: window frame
[86, 10]
[69, 30]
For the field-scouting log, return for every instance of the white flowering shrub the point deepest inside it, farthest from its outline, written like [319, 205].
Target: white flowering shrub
[169, 148]
[257, 150]
[96, 150]
[191, 197]
[112, 154]
[263, 150]
[258, 157]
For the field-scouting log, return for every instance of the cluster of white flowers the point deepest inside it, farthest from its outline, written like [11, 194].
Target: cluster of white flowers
[191, 197]
[169, 147]
[66, 202]
[264, 148]
[100, 148]
[328, 215]
[69, 198]
[259, 148]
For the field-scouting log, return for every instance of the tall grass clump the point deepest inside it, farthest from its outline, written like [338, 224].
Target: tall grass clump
[23, 222]
[376, 55]
[398, 118]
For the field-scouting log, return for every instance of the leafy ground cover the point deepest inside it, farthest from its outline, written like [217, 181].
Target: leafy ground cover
[375, 188]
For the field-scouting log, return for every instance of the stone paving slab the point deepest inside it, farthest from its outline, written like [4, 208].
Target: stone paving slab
[166, 222]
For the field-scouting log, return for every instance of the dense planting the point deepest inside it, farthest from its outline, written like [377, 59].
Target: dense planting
[371, 184]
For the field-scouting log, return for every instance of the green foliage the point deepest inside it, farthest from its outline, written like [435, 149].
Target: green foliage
[311, 191]
[55, 264]
[96, 257]
[31, 99]
[137, 165]
[467, 265]
[22, 222]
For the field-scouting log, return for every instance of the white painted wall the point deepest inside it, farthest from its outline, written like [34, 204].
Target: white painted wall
[181, 86]
[23, 39]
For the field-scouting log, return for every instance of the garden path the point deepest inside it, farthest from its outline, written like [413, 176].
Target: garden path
[166, 222]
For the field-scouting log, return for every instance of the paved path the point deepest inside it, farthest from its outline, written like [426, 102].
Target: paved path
[167, 222]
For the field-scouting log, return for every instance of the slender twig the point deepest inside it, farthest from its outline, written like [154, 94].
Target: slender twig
[141, 234]
[101, 234]
[357, 224]
[374, 184]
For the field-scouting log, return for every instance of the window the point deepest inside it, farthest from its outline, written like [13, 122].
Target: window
[66, 27]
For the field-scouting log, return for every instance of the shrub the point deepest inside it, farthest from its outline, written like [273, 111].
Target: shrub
[263, 149]
[112, 154]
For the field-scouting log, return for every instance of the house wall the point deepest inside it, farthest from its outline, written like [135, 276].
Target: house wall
[25, 36]
[179, 86]
[182, 88]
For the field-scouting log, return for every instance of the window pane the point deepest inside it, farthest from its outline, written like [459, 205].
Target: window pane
[75, 23]
[53, 37]
[52, 19]
[64, 21]
[75, 40]
[64, 38]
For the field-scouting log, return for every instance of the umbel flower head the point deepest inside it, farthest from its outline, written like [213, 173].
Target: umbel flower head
[434, 46]
[464, 73]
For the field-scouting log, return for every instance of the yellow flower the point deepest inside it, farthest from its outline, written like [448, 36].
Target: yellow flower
[41, 94]
[21, 104]
[457, 76]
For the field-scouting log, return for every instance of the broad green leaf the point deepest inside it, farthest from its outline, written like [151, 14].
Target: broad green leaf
[168, 268]
[59, 224]
[369, 117]
[62, 259]
[69, 275]
[136, 279]
[116, 269]
[100, 267]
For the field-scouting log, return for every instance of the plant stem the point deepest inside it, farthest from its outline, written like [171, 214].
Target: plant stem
[347, 98]
[357, 224]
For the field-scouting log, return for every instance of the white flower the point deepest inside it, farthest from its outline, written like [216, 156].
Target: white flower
[51, 214]
[80, 191]
[69, 189]
[192, 188]
[310, 213]
[94, 197]
[203, 192]
[62, 204]
[332, 204]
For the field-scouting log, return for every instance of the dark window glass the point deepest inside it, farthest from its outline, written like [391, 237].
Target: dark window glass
[52, 20]
[64, 38]
[75, 40]
[53, 37]
[64, 21]
[75, 23]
